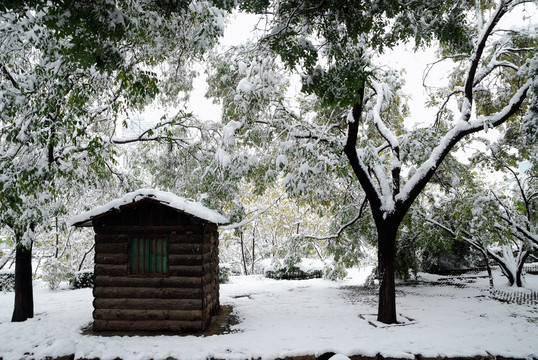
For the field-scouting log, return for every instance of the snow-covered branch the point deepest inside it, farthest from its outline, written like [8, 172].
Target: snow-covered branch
[355, 158]
[462, 128]
[511, 267]
[339, 232]
[477, 56]
[526, 234]
[504, 114]
[381, 127]
[249, 220]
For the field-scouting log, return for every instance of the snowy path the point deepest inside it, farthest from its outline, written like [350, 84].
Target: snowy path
[291, 318]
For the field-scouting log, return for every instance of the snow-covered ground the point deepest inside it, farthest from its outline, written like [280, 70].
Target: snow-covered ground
[292, 318]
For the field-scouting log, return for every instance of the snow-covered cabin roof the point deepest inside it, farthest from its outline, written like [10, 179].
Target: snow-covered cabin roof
[166, 198]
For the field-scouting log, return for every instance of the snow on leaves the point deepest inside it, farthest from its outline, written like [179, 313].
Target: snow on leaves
[69, 74]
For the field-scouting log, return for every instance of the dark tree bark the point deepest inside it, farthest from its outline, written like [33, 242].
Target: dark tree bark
[388, 199]
[488, 268]
[519, 271]
[24, 295]
[243, 253]
[253, 249]
[386, 311]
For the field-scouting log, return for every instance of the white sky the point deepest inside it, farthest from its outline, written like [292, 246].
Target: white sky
[239, 29]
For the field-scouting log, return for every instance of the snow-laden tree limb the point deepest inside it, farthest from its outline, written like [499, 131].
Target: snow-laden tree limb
[520, 230]
[339, 232]
[247, 221]
[462, 128]
[476, 57]
[381, 127]
[511, 267]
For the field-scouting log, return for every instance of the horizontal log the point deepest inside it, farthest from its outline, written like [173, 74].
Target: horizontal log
[111, 238]
[177, 270]
[184, 238]
[110, 270]
[112, 259]
[122, 314]
[148, 325]
[187, 248]
[147, 293]
[210, 228]
[111, 248]
[188, 260]
[146, 229]
[147, 281]
[148, 304]
[211, 263]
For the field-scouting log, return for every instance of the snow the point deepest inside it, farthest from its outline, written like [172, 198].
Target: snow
[167, 198]
[223, 157]
[305, 265]
[381, 127]
[350, 118]
[293, 318]
[281, 161]
[228, 132]
[244, 86]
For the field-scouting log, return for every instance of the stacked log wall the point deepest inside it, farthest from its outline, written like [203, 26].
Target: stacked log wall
[182, 300]
[210, 281]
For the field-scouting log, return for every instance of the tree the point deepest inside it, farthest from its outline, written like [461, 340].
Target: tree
[69, 71]
[334, 45]
[516, 157]
[471, 214]
[274, 227]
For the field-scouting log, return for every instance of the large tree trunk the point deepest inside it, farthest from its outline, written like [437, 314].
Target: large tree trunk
[511, 267]
[386, 312]
[24, 295]
[519, 272]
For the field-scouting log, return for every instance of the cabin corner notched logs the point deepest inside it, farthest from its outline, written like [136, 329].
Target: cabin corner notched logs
[156, 269]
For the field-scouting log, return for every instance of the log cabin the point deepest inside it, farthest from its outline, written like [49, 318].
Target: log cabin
[156, 263]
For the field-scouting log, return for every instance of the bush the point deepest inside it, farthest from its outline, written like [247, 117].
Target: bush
[303, 270]
[335, 271]
[449, 260]
[293, 273]
[224, 273]
[82, 279]
[7, 280]
[55, 271]
[372, 280]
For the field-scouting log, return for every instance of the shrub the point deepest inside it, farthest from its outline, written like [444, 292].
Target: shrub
[305, 269]
[372, 280]
[7, 280]
[334, 271]
[55, 271]
[293, 273]
[224, 273]
[82, 279]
